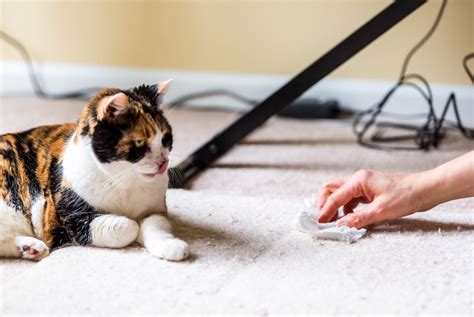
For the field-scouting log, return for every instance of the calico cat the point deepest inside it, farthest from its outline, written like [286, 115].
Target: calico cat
[101, 182]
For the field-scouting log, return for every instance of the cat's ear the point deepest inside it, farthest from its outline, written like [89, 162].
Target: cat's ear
[163, 86]
[161, 89]
[112, 106]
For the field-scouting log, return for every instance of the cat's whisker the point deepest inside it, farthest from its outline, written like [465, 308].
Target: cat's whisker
[111, 177]
[176, 154]
[114, 185]
[116, 189]
[119, 181]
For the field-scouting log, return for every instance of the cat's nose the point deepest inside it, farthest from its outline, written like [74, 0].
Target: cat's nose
[160, 160]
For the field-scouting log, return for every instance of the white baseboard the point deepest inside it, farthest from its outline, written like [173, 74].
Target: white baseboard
[352, 93]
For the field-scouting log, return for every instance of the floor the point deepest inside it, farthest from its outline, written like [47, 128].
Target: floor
[247, 256]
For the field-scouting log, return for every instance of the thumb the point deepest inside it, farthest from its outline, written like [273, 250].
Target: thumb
[359, 219]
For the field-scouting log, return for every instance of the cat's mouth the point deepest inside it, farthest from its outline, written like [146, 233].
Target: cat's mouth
[161, 170]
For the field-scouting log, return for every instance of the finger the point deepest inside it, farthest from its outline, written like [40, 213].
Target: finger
[334, 217]
[326, 216]
[339, 198]
[323, 196]
[359, 219]
[328, 189]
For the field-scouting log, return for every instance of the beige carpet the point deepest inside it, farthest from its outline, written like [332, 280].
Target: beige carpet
[247, 256]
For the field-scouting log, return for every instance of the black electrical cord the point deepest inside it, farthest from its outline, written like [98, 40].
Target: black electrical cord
[423, 40]
[182, 100]
[431, 132]
[466, 68]
[37, 87]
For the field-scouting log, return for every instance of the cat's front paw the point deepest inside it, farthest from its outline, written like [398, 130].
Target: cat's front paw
[170, 249]
[31, 248]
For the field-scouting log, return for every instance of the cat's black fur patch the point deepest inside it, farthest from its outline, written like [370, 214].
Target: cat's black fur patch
[10, 181]
[135, 154]
[105, 138]
[74, 213]
[148, 92]
[76, 216]
[15, 199]
[104, 141]
[27, 152]
[60, 237]
[55, 176]
[167, 140]
[85, 130]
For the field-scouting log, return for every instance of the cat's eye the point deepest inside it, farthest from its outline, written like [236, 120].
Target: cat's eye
[139, 143]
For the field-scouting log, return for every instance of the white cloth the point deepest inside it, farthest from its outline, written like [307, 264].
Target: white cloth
[307, 223]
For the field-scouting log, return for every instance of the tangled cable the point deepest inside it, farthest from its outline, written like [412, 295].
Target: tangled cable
[432, 131]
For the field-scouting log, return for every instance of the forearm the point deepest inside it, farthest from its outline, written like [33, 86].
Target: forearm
[449, 181]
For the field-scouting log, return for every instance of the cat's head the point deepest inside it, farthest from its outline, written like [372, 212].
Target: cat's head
[128, 131]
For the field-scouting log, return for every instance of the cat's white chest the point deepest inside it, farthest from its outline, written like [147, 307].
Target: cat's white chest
[123, 193]
[131, 197]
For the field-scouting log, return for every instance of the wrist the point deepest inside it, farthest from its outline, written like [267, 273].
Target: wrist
[427, 191]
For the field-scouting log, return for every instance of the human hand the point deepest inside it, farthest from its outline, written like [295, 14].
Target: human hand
[388, 195]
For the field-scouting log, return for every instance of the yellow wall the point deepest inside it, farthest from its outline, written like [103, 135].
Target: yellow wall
[259, 36]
